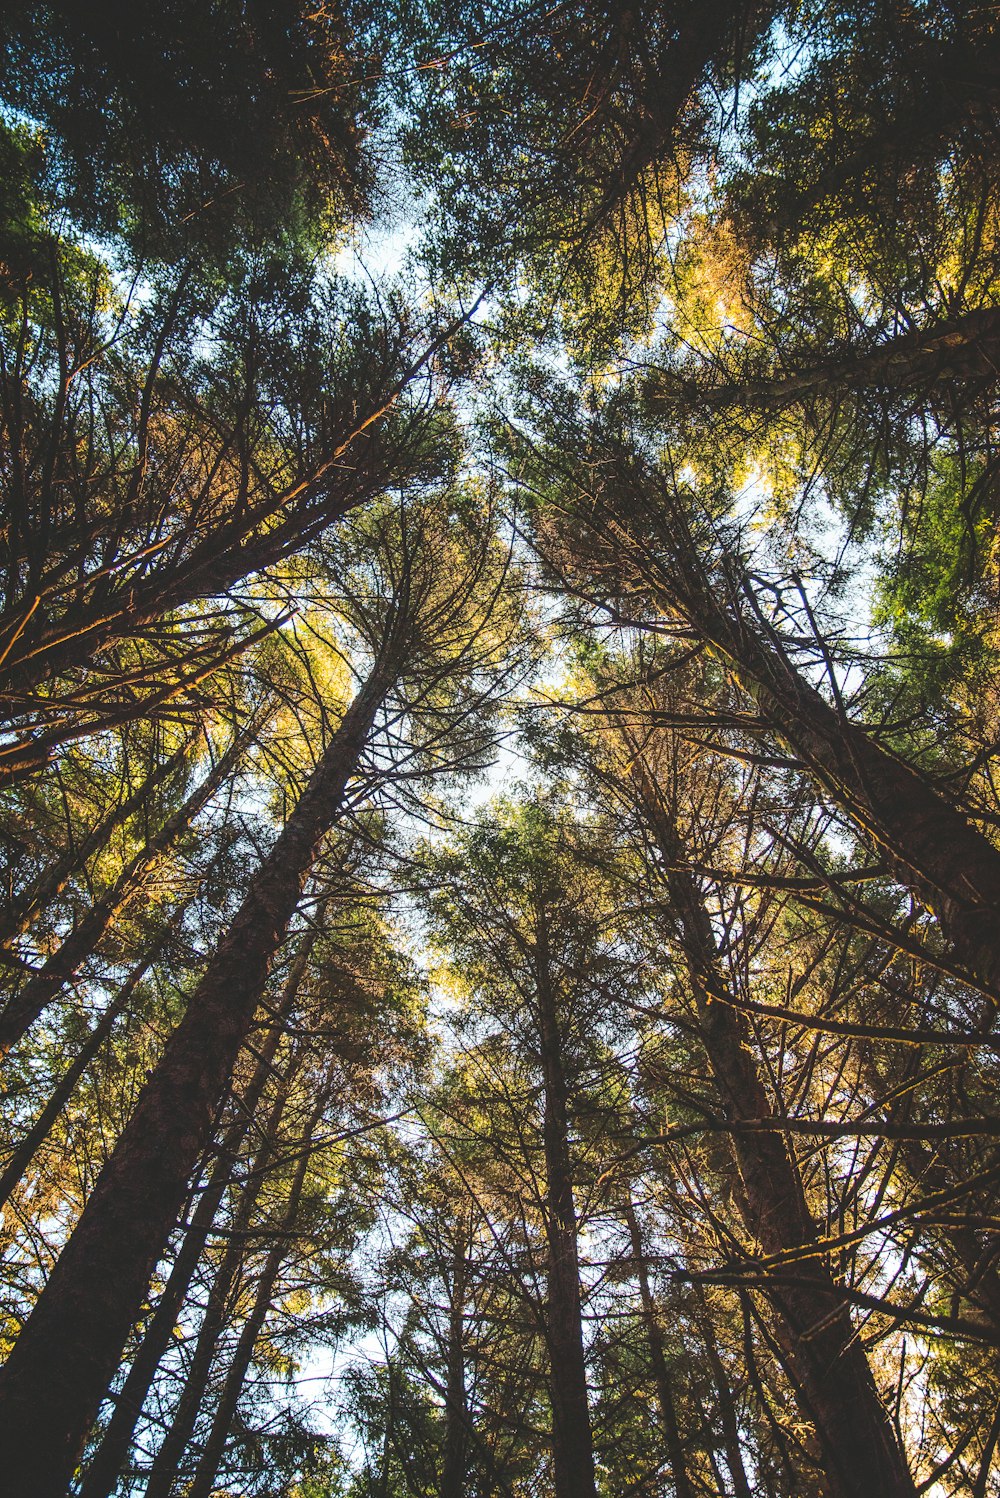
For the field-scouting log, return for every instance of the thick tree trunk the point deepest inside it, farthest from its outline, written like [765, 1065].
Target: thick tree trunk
[963, 348]
[572, 1442]
[109, 1459]
[861, 1454]
[951, 867]
[21, 1011]
[215, 1444]
[66, 1355]
[658, 1362]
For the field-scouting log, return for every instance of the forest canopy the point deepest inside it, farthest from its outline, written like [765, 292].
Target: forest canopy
[499, 800]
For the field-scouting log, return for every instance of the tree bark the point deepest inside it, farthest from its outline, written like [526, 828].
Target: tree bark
[572, 1442]
[24, 1153]
[164, 1470]
[951, 867]
[861, 1454]
[67, 1352]
[215, 1445]
[965, 348]
[455, 1404]
[109, 1459]
[658, 1361]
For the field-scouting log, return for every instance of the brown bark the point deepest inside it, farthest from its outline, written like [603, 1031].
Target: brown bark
[215, 1444]
[951, 867]
[24, 1153]
[572, 1442]
[658, 1362]
[455, 1406]
[728, 1418]
[965, 348]
[66, 1355]
[21, 1011]
[164, 1470]
[860, 1452]
[109, 1459]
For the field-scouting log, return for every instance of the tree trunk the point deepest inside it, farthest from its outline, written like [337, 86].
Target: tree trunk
[25, 1152]
[17, 919]
[215, 1445]
[109, 1459]
[658, 1362]
[961, 348]
[67, 1352]
[455, 1408]
[164, 1470]
[572, 1442]
[728, 1418]
[952, 868]
[861, 1455]
[21, 1011]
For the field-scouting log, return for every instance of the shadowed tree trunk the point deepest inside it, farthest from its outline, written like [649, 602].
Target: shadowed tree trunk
[21, 1011]
[17, 919]
[24, 1153]
[860, 1452]
[65, 1357]
[952, 868]
[109, 1459]
[658, 1361]
[961, 348]
[166, 1463]
[455, 1402]
[572, 1442]
[215, 1444]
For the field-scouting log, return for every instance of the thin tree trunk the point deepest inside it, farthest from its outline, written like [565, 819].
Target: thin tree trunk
[215, 1445]
[860, 1451]
[67, 1352]
[17, 919]
[727, 1409]
[455, 1407]
[109, 1459]
[166, 1463]
[63, 1091]
[21, 1011]
[658, 1361]
[572, 1441]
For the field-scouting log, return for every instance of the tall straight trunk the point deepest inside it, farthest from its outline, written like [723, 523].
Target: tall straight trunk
[66, 1355]
[20, 914]
[572, 1441]
[861, 1455]
[164, 1470]
[728, 1418]
[109, 1459]
[959, 348]
[25, 1006]
[215, 1444]
[658, 1361]
[952, 868]
[455, 1401]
